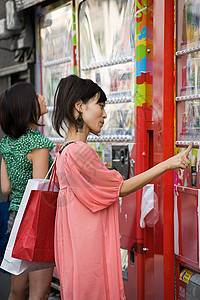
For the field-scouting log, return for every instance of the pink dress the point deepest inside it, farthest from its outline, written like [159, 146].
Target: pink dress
[87, 246]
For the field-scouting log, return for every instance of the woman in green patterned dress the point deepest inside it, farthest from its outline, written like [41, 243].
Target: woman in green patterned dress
[25, 155]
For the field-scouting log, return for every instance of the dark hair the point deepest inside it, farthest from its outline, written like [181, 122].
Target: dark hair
[19, 107]
[71, 89]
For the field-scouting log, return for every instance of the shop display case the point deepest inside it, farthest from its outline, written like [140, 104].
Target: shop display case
[188, 72]
[107, 57]
[55, 28]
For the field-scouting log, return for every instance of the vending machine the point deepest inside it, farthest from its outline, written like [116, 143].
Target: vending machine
[187, 182]
[116, 51]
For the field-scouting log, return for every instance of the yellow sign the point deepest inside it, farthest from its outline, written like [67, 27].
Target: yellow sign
[185, 275]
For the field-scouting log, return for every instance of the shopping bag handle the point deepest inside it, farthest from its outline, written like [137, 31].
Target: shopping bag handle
[52, 177]
[47, 175]
[53, 174]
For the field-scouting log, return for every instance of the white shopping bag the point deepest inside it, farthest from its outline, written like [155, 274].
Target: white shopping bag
[18, 266]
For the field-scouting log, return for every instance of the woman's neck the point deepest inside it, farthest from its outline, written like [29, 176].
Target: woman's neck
[72, 135]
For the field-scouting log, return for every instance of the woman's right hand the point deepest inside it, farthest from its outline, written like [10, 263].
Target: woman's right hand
[180, 160]
[134, 183]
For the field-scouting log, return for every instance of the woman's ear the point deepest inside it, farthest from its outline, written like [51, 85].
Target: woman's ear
[78, 105]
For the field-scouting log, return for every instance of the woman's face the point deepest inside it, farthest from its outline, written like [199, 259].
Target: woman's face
[42, 103]
[93, 114]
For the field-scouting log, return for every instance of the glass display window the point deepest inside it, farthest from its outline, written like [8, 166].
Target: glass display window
[188, 120]
[56, 55]
[120, 119]
[115, 80]
[188, 70]
[188, 24]
[188, 74]
[106, 30]
[107, 56]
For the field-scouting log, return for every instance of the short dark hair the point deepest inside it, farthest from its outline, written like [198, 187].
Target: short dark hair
[71, 89]
[19, 107]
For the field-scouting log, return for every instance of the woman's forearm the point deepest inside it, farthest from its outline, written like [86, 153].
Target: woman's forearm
[133, 184]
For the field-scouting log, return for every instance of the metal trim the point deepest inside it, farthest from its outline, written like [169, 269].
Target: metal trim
[57, 62]
[99, 138]
[187, 51]
[57, 140]
[188, 98]
[106, 63]
[123, 99]
[110, 138]
[184, 144]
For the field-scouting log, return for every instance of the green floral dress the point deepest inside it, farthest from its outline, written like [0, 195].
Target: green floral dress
[19, 168]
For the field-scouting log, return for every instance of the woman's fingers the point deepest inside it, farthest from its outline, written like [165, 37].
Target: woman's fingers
[184, 165]
[184, 160]
[180, 160]
[189, 148]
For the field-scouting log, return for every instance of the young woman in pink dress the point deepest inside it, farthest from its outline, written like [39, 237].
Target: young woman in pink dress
[87, 246]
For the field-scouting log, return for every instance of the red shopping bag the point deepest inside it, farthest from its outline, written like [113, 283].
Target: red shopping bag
[35, 237]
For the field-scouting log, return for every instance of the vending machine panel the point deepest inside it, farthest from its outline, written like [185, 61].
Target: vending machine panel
[187, 225]
[188, 285]
[120, 159]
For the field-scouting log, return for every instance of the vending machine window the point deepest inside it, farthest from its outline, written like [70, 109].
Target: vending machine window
[107, 57]
[188, 120]
[188, 71]
[56, 55]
